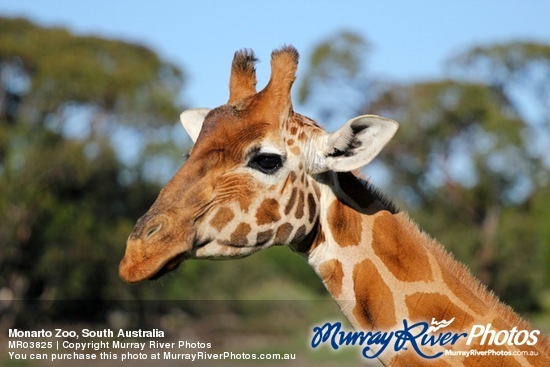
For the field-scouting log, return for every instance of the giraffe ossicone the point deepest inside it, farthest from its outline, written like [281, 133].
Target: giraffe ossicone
[260, 175]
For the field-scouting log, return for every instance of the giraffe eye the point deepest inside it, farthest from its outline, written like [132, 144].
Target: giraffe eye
[266, 163]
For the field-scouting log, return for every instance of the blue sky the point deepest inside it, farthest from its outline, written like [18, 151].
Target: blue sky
[410, 39]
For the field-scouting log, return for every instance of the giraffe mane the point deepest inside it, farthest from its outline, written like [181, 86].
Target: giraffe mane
[378, 194]
[488, 297]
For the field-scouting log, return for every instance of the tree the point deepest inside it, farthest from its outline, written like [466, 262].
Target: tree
[336, 80]
[111, 77]
[68, 200]
[520, 71]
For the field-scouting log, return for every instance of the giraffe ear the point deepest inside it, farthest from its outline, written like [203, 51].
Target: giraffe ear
[356, 143]
[192, 121]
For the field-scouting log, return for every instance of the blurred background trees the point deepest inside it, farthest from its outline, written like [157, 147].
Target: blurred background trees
[89, 133]
[69, 193]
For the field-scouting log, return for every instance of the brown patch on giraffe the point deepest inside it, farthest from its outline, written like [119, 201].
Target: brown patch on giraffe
[332, 274]
[498, 324]
[293, 176]
[223, 216]
[283, 233]
[263, 237]
[425, 306]
[311, 207]
[302, 136]
[295, 150]
[300, 207]
[288, 181]
[244, 202]
[290, 142]
[235, 187]
[293, 130]
[319, 238]
[342, 219]
[401, 252]
[238, 237]
[268, 212]
[291, 200]
[374, 308]
[316, 189]
[299, 235]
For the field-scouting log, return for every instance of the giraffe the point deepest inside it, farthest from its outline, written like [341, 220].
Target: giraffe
[261, 175]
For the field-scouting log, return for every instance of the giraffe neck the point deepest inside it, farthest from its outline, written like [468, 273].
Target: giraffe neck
[381, 269]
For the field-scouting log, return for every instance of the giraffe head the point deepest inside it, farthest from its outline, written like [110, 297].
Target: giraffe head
[250, 181]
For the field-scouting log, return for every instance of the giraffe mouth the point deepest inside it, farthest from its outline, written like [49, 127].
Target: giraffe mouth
[169, 266]
[174, 262]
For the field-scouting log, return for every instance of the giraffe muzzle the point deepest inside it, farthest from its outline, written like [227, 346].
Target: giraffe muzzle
[153, 249]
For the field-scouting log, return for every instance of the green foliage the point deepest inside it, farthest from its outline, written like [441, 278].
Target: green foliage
[466, 125]
[508, 63]
[68, 202]
[117, 77]
[337, 63]
[520, 72]
[340, 56]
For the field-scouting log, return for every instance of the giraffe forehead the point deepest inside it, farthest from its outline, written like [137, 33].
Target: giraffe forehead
[235, 139]
[238, 132]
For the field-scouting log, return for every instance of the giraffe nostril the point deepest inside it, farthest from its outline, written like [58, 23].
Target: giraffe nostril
[152, 230]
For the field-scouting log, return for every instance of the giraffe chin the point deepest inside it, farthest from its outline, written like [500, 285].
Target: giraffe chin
[169, 266]
[134, 274]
